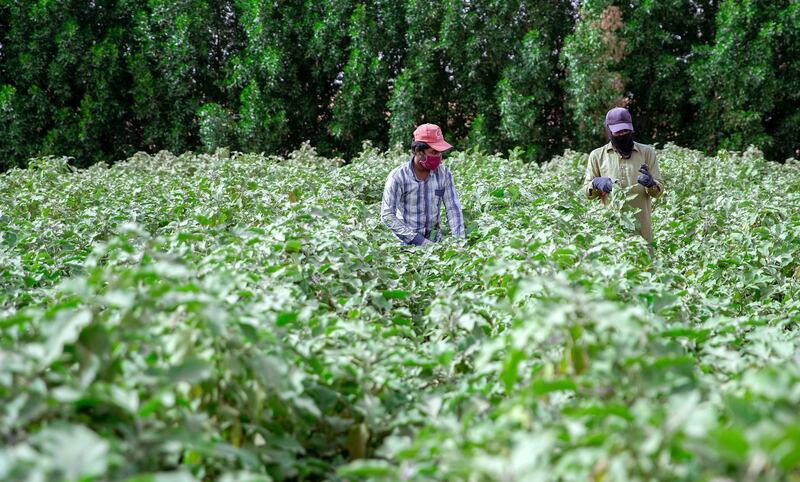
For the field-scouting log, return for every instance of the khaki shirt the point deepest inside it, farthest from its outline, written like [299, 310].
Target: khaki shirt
[606, 162]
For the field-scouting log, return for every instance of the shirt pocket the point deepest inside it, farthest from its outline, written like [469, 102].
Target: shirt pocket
[410, 190]
[608, 168]
[616, 170]
[439, 192]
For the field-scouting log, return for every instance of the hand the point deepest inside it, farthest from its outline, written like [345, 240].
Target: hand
[646, 179]
[426, 242]
[602, 184]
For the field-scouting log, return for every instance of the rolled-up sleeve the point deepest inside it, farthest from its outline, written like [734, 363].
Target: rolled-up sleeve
[392, 197]
[652, 165]
[592, 171]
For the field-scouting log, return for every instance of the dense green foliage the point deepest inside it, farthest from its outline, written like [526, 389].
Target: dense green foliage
[100, 80]
[236, 317]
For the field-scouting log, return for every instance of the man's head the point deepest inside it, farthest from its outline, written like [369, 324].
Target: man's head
[619, 128]
[428, 146]
[619, 122]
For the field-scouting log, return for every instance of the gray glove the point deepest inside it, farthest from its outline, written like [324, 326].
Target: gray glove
[646, 179]
[602, 184]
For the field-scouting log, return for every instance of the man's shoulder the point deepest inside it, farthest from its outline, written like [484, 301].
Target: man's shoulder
[645, 148]
[443, 170]
[397, 172]
[599, 151]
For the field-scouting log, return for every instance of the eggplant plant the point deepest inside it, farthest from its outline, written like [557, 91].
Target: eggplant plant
[238, 317]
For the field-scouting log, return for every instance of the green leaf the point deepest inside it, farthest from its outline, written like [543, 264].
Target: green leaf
[395, 294]
[730, 443]
[65, 330]
[191, 370]
[286, 318]
[542, 387]
[77, 452]
[366, 468]
[163, 477]
[510, 370]
[293, 246]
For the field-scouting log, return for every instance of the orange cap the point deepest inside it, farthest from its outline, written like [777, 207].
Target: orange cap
[431, 134]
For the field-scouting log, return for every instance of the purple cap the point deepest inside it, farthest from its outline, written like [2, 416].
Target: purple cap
[618, 119]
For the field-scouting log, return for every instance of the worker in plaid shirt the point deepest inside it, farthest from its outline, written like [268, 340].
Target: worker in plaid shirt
[416, 190]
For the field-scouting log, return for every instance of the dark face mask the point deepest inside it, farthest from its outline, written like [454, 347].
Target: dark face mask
[623, 144]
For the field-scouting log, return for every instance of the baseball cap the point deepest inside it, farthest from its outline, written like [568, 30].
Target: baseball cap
[431, 134]
[619, 119]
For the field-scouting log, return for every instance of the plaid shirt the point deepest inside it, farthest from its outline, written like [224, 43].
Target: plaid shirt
[411, 207]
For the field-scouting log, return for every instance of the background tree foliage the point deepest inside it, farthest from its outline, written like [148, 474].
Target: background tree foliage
[746, 84]
[98, 81]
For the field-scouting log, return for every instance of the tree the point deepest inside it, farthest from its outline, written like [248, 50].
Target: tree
[660, 36]
[459, 54]
[523, 96]
[98, 81]
[417, 91]
[375, 51]
[746, 84]
[595, 82]
[64, 88]
[178, 65]
[530, 94]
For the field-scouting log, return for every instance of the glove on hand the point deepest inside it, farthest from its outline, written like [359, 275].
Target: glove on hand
[646, 179]
[602, 184]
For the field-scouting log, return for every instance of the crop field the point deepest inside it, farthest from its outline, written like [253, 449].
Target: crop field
[240, 318]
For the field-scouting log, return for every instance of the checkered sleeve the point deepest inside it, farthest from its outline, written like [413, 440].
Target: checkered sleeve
[392, 200]
[455, 217]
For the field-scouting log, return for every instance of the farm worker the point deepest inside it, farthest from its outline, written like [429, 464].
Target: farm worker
[416, 190]
[625, 163]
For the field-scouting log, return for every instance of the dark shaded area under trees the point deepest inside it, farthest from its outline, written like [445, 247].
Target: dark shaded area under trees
[101, 80]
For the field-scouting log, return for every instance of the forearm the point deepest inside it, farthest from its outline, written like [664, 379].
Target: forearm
[592, 172]
[590, 191]
[401, 229]
[392, 198]
[656, 190]
[452, 206]
[455, 219]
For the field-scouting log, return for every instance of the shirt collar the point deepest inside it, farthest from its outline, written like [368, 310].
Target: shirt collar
[610, 147]
[411, 169]
[435, 172]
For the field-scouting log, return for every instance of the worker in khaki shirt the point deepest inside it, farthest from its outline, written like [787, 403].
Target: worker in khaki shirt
[623, 162]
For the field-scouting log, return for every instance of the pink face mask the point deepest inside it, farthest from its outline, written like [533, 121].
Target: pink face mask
[431, 162]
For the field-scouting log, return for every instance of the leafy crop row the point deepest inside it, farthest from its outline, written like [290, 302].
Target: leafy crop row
[237, 317]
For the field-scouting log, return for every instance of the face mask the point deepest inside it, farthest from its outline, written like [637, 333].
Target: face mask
[431, 162]
[623, 144]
